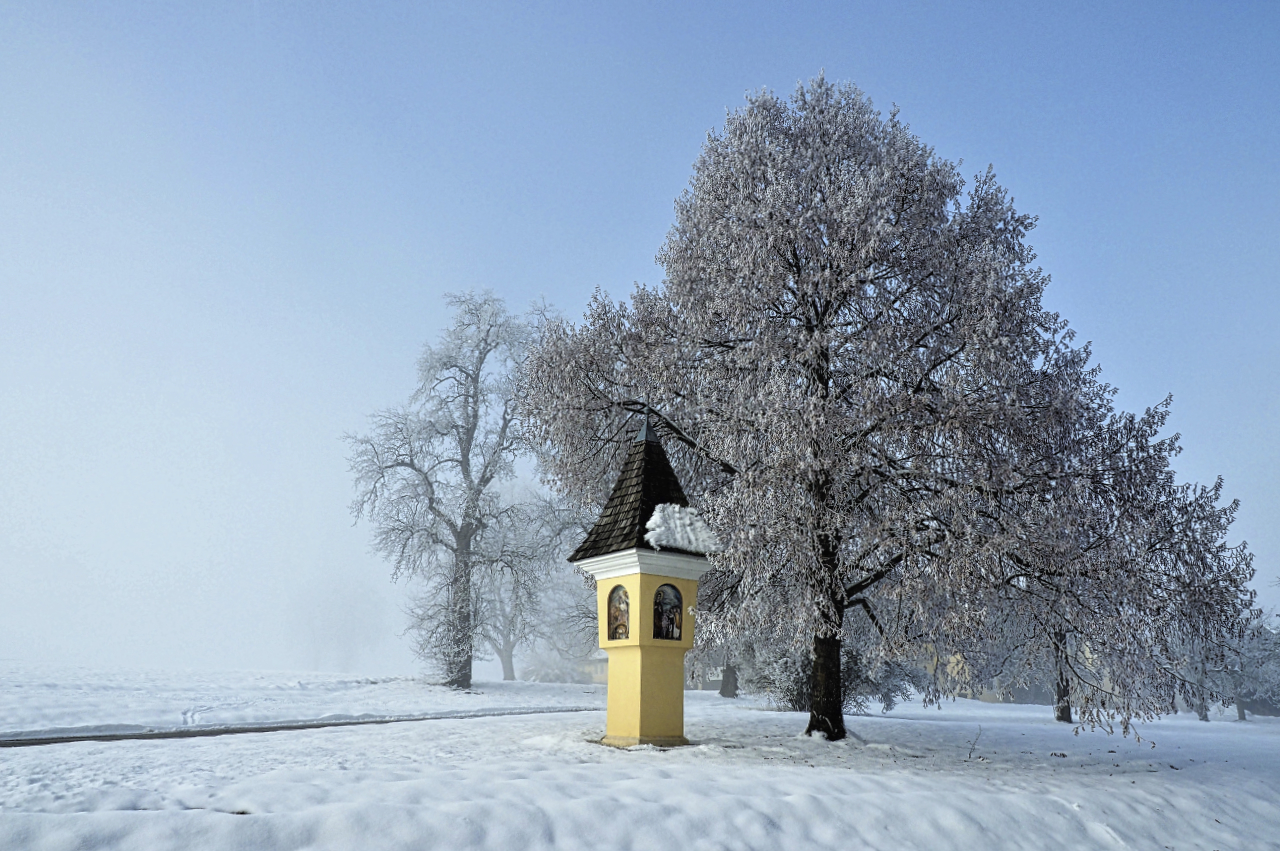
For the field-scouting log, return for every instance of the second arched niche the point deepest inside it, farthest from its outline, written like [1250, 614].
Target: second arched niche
[668, 617]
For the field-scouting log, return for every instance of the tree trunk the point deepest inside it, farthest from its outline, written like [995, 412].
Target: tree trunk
[1240, 716]
[507, 657]
[461, 676]
[826, 685]
[826, 703]
[826, 692]
[729, 681]
[459, 653]
[1202, 705]
[1062, 699]
[1062, 683]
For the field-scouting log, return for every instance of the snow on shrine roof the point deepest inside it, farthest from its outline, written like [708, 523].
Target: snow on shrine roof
[646, 481]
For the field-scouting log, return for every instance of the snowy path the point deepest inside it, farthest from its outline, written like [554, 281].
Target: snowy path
[125, 732]
[913, 779]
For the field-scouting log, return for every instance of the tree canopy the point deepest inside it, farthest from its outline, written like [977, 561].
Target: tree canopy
[901, 449]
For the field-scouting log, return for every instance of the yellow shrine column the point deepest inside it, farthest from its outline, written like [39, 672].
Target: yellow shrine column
[645, 601]
[643, 552]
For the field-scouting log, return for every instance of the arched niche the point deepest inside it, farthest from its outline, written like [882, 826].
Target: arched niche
[668, 613]
[619, 614]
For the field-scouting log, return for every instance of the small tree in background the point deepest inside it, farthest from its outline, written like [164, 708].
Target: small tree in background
[520, 600]
[565, 635]
[1251, 673]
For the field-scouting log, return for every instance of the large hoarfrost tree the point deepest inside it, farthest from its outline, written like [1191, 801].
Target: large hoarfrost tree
[430, 477]
[850, 363]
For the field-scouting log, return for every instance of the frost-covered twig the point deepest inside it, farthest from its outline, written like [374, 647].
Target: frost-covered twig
[974, 744]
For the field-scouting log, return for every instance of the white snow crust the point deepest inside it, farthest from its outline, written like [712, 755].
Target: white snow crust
[680, 528]
[969, 776]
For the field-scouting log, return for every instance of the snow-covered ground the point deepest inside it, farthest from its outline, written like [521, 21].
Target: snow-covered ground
[78, 700]
[913, 779]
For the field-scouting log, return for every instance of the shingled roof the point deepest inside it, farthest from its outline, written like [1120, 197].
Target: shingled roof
[646, 481]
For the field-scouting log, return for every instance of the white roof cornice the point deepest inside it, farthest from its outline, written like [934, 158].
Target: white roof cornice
[655, 562]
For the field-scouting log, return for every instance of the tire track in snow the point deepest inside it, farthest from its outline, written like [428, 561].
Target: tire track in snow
[120, 732]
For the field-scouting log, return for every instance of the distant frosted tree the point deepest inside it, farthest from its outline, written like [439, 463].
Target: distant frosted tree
[520, 598]
[1248, 673]
[430, 478]
[850, 365]
[1253, 669]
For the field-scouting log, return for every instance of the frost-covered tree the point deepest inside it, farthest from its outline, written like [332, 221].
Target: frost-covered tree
[1120, 603]
[567, 635]
[564, 634]
[834, 339]
[1207, 576]
[851, 368]
[1253, 668]
[1248, 673]
[430, 477]
[520, 596]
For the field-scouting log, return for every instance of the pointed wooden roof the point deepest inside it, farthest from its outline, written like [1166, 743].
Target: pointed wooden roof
[646, 481]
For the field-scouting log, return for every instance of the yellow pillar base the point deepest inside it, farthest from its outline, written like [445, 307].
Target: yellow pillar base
[656, 741]
[646, 673]
[646, 696]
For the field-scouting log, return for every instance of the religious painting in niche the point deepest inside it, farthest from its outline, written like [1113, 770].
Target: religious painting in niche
[667, 618]
[619, 614]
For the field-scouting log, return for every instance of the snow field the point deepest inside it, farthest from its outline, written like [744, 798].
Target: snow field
[44, 699]
[914, 779]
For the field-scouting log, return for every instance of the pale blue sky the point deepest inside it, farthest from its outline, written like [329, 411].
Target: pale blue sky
[224, 234]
